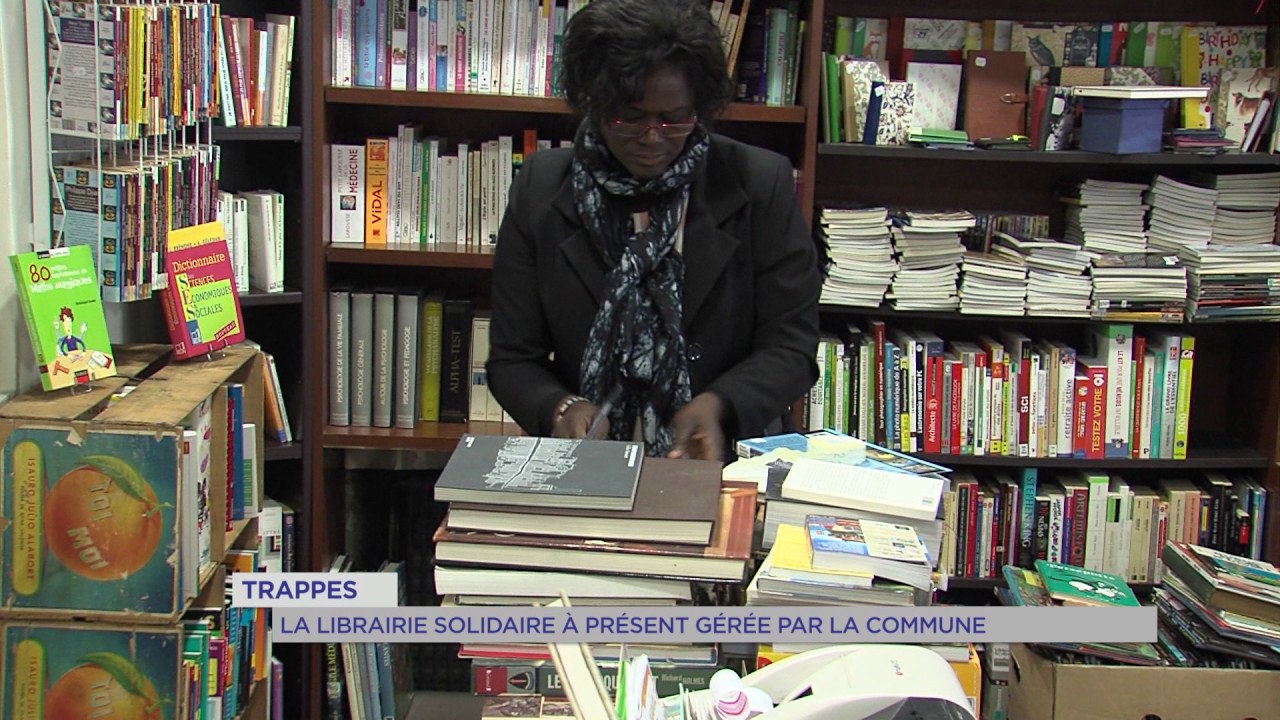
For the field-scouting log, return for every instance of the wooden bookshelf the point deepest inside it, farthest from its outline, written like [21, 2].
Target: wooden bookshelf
[1207, 458]
[487, 102]
[444, 255]
[240, 133]
[440, 437]
[276, 451]
[260, 299]
[836, 151]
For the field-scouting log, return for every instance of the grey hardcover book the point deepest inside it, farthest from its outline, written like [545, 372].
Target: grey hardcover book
[547, 472]
[384, 327]
[406, 399]
[361, 359]
[339, 360]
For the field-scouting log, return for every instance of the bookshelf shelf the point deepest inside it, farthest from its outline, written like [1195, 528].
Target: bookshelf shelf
[444, 255]
[258, 299]
[487, 102]
[888, 312]
[291, 133]
[1056, 157]
[1197, 459]
[990, 583]
[427, 436]
[282, 451]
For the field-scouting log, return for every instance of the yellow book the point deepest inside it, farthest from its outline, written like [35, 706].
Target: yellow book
[1195, 113]
[375, 192]
[1182, 418]
[195, 235]
[429, 356]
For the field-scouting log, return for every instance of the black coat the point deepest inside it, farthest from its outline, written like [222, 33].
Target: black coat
[751, 290]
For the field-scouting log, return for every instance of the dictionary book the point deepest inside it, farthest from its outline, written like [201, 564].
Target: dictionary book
[201, 305]
[62, 304]
[547, 472]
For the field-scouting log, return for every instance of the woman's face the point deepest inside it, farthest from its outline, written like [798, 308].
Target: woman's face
[650, 134]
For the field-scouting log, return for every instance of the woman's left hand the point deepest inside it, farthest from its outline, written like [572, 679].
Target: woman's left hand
[698, 432]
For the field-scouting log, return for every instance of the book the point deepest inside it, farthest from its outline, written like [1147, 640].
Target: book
[200, 304]
[1072, 585]
[676, 502]
[892, 552]
[862, 488]
[551, 472]
[59, 288]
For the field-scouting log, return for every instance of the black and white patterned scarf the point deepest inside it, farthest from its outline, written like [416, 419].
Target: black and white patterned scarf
[635, 352]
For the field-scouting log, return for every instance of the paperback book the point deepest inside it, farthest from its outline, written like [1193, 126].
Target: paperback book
[201, 304]
[62, 305]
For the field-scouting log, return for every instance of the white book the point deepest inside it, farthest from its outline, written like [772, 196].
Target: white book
[277, 227]
[539, 85]
[270, 534]
[398, 58]
[343, 50]
[861, 488]
[227, 95]
[1095, 542]
[425, 49]
[507, 73]
[523, 46]
[393, 189]
[433, 190]
[415, 191]
[346, 183]
[463, 197]
[192, 546]
[260, 208]
[252, 471]
[504, 172]
[281, 29]
[1149, 389]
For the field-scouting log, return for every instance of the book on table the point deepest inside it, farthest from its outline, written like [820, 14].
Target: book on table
[548, 472]
[889, 551]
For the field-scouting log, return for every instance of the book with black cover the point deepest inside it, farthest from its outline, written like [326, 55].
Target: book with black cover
[550, 472]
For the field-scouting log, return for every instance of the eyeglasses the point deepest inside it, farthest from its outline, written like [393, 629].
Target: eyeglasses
[633, 130]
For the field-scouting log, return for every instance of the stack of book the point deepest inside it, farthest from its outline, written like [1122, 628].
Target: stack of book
[830, 541]
[1182, 215]
[929, 250]
[1235, 274]
[1139, 282]
[993, 284]
[1051, 584]
[530, 518]
[1218, 609]
[861, 255]
[1058, 283]
[1107, 217]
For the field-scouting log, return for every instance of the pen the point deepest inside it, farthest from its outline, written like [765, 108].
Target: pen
[598, 421]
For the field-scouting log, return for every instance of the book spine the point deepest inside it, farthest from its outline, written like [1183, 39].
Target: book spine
[384, 317]
[376, 222]
[956, 412]
[1139, 391]
[455, 361]
[1186, 365]
[1042, 527]
[399, 48]
[406, 321]
[339, 357]
[1027, 521]
[361, 359]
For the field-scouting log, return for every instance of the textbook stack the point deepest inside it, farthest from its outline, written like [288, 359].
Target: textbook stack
[173, 450]
[929, 251]
[861, 252]
[1058, 283]
[530, 518]
[993, 284]
[1235, 274]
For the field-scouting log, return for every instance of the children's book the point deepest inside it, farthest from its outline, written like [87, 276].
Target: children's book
[62, 305]
[1071, 585]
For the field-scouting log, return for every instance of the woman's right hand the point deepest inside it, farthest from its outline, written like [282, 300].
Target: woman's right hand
[577, 420]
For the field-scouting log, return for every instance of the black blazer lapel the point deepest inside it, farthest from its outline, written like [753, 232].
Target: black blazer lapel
[708, 246]
[583, 256]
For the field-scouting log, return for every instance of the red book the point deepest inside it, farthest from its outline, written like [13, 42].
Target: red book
[201, 306]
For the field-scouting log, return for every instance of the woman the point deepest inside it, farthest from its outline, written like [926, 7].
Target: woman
[655, 278]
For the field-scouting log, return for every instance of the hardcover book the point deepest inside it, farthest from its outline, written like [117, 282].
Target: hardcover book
[550, 472]
[60, 288]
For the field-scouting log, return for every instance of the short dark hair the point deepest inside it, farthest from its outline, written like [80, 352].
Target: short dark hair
[611, 47]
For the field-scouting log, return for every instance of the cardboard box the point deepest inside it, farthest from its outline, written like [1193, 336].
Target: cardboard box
[1040, 689]
[81, 670]
[94, 507]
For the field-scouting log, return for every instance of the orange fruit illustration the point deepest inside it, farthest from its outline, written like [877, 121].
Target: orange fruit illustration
[104, 685]
[103, 520]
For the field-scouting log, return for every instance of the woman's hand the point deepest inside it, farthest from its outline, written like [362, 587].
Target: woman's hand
[698, 432]
[577, 420]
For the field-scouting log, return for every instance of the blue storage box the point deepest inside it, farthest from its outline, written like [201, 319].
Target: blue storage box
[1119, 126]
